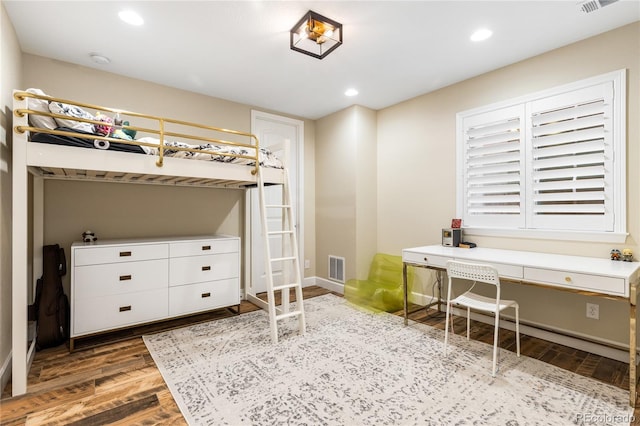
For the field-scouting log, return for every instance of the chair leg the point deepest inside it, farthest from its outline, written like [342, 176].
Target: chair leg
[517, 330]
[495, 342]
[468, 322]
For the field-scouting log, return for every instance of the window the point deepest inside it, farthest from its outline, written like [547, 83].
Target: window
[548, 165]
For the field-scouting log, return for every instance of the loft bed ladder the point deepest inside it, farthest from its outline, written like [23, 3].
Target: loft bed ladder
[287, 257]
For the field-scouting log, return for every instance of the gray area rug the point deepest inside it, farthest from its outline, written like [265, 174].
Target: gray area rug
[360, 368]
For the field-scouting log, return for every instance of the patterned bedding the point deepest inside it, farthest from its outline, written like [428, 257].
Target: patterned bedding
[267, 158]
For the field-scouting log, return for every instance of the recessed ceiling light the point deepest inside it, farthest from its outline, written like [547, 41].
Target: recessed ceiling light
[131, 17]
[351, 92]
[99, 59]
[481, 34]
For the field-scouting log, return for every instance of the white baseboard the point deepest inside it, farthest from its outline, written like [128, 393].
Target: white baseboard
[306, 282]
[328, 284]
[608, 349]
[5, 372]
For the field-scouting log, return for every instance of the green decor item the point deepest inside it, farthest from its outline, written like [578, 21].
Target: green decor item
[382, 291]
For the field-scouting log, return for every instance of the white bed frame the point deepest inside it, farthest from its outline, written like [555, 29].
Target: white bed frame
[45, 161]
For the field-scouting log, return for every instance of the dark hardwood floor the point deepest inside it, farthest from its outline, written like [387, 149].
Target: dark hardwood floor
[111, 378]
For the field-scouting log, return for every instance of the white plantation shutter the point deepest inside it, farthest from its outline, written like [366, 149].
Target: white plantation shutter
[493, 158]
[545, 163]
[572, 160]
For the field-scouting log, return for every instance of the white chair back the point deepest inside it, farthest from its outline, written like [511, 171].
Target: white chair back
[473, 272]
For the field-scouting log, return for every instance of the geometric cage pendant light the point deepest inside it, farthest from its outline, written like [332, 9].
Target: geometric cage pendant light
[316, 35]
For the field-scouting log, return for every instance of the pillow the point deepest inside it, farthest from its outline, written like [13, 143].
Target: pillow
[150, 150]
[103, 129]
[120, 134]
[129, 132]
[71, 111]
[41, 105]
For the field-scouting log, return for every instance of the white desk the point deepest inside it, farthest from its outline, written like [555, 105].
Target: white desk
[585, 275]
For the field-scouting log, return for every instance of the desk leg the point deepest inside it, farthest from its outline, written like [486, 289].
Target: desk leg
[633, 373]
[404, 292]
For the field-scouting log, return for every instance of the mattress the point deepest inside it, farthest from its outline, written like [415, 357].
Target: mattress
[82, 142]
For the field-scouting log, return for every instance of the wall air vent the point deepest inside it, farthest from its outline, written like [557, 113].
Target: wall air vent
[588, 6]
[336, 268]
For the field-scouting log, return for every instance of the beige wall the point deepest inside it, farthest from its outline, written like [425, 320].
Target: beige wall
[115, 210]
[366, 220]
[309, 213]
[346, 196]
[336, 191]
[10, 65]
[416, 170]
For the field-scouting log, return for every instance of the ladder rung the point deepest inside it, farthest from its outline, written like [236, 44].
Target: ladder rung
[279, 232]
[278, 206]
[288, 315]
[279, 259]
[285, 286]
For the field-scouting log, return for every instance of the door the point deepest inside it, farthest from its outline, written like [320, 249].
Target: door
[273, 130]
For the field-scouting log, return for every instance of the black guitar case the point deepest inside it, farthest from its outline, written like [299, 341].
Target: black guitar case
[51, 307]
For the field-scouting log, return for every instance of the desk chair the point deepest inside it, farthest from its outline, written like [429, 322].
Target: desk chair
[478, 273]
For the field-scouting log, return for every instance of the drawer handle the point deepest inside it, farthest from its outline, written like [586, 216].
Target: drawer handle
[125, 277]
[426, 259]
[568, 279]
[206, 268]
[206, 295]
[125, 253]
[125, 308]
[206, 247]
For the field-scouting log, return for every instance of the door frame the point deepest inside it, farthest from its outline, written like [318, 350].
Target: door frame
[298, 170]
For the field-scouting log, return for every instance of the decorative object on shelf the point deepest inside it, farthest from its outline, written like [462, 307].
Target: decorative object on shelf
[89, 237]
[456, 223]
[615, 254]
[315, 35]
[627, 255]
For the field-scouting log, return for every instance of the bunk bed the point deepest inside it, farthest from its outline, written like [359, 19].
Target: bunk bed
[57, 138]
[106, 133]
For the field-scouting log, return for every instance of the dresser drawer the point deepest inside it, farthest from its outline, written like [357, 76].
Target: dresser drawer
[114, 278]
[608, 285]
[203, 296]
[426, 259]
[188, 270]
[126, 253]
[205, 247]
[119, 310]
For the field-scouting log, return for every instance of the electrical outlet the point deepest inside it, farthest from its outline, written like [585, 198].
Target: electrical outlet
[307, 264]
[593, 310]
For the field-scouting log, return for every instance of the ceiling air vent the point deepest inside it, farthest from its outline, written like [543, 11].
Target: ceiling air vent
[589, 6]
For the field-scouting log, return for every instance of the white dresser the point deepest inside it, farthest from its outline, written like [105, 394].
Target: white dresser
[121, 283]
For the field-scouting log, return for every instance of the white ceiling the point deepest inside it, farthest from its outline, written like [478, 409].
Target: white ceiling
[239, 50]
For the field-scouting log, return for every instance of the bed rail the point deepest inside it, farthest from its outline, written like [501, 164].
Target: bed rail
[163, 128]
